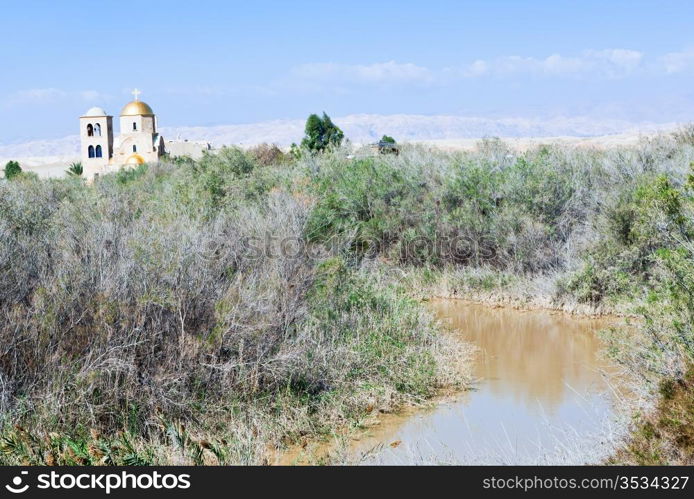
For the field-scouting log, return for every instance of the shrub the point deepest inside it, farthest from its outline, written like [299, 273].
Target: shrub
[12, 169]
[635, 228]
[267, 154]
[685, 135]
[464, 211]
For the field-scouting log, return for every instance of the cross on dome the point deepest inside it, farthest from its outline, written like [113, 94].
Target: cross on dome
[136, 93]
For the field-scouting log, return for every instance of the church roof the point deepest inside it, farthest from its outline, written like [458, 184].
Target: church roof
[137, 108]
[94, 112]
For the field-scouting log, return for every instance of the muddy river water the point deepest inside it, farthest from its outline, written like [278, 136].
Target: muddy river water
[545, 393]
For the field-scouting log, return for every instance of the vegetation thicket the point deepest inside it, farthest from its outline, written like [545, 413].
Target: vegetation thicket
[206, 310]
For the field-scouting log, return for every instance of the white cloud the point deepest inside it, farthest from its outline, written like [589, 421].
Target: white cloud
[620, 58]
[389, 72]
[675, 62]
[477, 68]
[609, 63]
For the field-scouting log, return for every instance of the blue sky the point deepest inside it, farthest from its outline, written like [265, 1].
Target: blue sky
[225, 62]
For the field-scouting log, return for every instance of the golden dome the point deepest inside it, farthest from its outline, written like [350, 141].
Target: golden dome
[137, 108]
[134, 160]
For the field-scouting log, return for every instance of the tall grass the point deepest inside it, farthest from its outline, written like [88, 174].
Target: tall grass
[202, 311]
[163, 301]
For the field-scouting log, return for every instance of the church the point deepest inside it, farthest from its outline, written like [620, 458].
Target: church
[138, 142]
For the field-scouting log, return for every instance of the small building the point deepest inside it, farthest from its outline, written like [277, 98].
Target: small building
[385, 147]
[191, 148]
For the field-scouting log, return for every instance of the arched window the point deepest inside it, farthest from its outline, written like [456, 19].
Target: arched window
[134, 148]
[98, 152]
[97, 130]
[90, 151]
[90, 130]
[134, 126]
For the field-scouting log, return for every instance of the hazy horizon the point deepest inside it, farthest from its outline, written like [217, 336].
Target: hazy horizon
[455, 131]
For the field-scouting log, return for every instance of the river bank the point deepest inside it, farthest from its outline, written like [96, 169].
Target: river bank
[545, 393]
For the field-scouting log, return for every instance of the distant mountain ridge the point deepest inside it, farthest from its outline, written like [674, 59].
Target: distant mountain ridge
[362, 128]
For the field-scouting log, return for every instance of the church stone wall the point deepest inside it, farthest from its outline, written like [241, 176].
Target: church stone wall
[142, 139]
[143, 143]
[143, 124]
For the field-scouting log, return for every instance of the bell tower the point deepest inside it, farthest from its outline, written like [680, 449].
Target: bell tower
[96, 138]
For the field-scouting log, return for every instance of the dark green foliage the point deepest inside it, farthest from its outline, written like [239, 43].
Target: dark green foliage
[321, 134]
[12, 169]
[75, 169]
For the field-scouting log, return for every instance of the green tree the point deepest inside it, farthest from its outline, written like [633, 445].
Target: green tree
[321, 133]
[388, 139]
[75, 169]
[12, 169]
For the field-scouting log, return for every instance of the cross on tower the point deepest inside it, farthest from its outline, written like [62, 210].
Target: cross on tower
[136, 93]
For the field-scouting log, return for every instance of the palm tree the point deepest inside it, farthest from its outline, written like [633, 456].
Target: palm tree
[75, 169]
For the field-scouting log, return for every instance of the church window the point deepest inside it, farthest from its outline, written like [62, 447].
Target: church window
[134, 148]
[134, 126]
[90, 130]
[97, 130]
[90, 151]
[98, 152]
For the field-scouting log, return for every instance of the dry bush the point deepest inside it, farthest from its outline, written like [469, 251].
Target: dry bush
[685, 135]
[150, 300]
[108, 311]
[268, 154]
